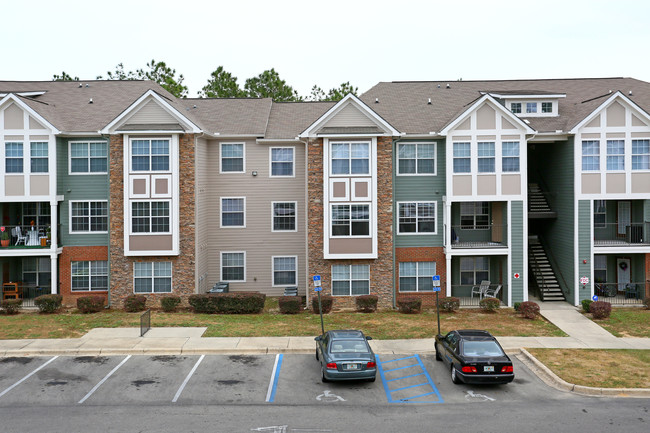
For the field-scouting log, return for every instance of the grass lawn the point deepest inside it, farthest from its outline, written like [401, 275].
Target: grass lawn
[598, 368]
[380, 325]
[627, 322]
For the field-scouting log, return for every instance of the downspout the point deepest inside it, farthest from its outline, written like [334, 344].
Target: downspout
[395, 140]
[108, 259]
[306, 212]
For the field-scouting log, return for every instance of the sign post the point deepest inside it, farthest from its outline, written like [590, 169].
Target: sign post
[318, 289]
[436, 288]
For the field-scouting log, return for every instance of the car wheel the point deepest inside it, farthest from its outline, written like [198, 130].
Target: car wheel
[454, 377]
[322, 375]
[438, 357]
[372, 379]
[316, 354]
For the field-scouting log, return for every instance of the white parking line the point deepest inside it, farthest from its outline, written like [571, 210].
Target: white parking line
[26, 377]
[273, 383]
[187, 379]
[104, 379]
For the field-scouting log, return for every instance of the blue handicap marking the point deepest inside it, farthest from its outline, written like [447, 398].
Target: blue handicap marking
[595, 298]
[406, 380]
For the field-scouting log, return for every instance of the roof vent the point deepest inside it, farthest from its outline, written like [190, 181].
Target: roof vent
[429, 103]
[90, 101]
[448, 86]
[87, 85]
[81, 85]
[194, 106]
[629, 93]
[438, 86]
[610, 91]
[376, 100]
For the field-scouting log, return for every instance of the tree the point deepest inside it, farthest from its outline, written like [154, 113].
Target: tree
[268, 84]
[222, 84]
[158, 72]
[338, 93]
[119, 74]
[64, 77]
[316, 94]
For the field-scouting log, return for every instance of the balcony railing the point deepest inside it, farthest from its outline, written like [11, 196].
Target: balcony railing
[622, 293]
[464, 293]
[26, 292]
[616, 235]
[26, 236]
[479, 236]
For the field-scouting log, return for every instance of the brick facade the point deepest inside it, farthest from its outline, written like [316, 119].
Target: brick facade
[78, 254]
[423, 254]
[381, 269]
[183, 265]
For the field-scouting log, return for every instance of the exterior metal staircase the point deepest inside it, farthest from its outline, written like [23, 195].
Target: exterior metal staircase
[538, 206]
[542, 271]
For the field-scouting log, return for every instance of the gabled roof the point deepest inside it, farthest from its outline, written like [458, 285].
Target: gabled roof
[615, 96]
[20, 102]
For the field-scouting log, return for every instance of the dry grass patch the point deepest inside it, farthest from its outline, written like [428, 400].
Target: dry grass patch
[598, 368]
[627, 322]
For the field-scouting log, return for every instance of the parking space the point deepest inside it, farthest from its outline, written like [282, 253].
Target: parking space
[407, 380]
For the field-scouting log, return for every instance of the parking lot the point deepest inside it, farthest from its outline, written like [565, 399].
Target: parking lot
[288, 379]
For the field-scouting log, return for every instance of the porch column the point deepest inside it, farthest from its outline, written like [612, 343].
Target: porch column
[54, 274]
[54, 224]
[448, 282]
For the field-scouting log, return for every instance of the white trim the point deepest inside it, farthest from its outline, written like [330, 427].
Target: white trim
[221, 266]
[30, 111]
[350, 278]
[293, 162]
[171, 277]
[273, 271]
[75, 232]
[417, 276]
[525, 96]
[295, 207]
[353, 189]
[350, 142]
[435, 158]
[221, 213]
[616, 95]
[416, 233]
[144, 195]
[90, 275]
[351, 236]
[221, 157]
[345, 181]
[152, 185]
[150, 217]
[494, 104]
[169, 138]
[88, 173]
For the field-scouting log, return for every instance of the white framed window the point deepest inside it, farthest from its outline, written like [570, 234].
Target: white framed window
[282, 161]
[88, 157]
[475, 215]
[284, 216]
[486, 157]
[547, 107]
[150, 216]
[473, 270]
[150, 154]
[13, 157]
[350, 220]
[600, 214]
[37, 271]
[39, 159]
[88, 216]
[233, 266]
[89, 276]
[462, 157]
[285, 271]
[641, 154]
[590, 155]
[233, 212]
[350, 158]
[600, 269]
[232, 158]
[416, 276]
[38, 213]
[515, 107]
[531, 107]
[350, 280]
[615, 155]
[152, 277]
[416, 218]
[510, 157]
[416, 159]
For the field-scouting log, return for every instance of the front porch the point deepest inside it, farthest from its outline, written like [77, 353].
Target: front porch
[467, 273]
[479, 225]
[25, 278]
[621, 279]
[620, 223]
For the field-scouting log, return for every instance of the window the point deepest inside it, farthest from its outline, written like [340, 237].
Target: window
[515, 107]
[88, 216]
[416, 158]
[233, 266]
[462, 155]
[150, 155]
[38, 153]
[285, 271]
[284, 216]
[615, 155]
[13, 157]
[531, 107]
[350, 158]
[233, 212]
[39, 213]
[590, 155]
[152, 277]
[91, 275]
[600, 214]
[475, 215]
[547, 107]
[473, 270]
[232, 157]
[350, 280]
[37, 272]
[600, 269]
[641, 154]
[416, 276]
[486, 157]
[417, 217]
[89, 157]
[150, 217]
[510, 159]
[350, 220]
[282, 161]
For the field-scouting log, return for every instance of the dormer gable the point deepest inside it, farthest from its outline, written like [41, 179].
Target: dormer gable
[618, 111]
[12, 111]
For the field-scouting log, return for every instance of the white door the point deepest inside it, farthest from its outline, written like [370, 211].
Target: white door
[624, 216]
[622, 273]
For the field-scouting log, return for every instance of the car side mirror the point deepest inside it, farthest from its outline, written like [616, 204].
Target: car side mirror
[319, 338]
[368, 337]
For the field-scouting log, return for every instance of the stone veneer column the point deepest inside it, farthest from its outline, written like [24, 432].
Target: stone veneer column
[183, 265]
[381, 269]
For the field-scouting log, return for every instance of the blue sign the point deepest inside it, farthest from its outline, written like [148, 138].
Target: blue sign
[317, 280]
[436, 288]
[436, 282]
[595, 297]
[318, 289]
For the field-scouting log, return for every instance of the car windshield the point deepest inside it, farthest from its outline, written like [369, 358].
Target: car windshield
[481, 348]
[348, 346]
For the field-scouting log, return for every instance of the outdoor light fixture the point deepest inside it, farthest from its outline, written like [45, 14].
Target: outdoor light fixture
[254, 173]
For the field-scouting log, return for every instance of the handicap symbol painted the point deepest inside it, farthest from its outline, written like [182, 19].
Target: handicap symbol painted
[471, 395]
[328, 397]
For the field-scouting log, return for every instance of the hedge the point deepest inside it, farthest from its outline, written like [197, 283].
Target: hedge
[228, 303]
[646, 302]
[600, 309]
[290, 304]
[409, 305]
[489, 305]
[90, 304]
[529, 309]
[326, 302]
[135, 303]
[366, 303]
[585, 305]
[449, 304]
[48, 303]
[11, 306]
[169, 303]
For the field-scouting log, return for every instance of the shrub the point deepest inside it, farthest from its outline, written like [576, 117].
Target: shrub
[585, 305]
[326, 302]
[90, 304]
[449, 304]
[517, 306]
[289, 304]
[600, 309]
[48, 303]
[489, 305]
[228, 303]
[366, 303]
[529, 309]
[409, 305]
[134, 303]
[169, 303]
[646, 302]
[11, 306]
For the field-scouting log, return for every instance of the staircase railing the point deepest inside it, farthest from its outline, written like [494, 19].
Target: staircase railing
[556, 270]
[537, 273]
[550, 197]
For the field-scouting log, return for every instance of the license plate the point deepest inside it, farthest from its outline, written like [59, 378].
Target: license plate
[352, 366]
[489, 368]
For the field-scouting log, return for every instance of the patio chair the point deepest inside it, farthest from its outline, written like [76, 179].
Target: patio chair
[20, 237]
[492, 293]
[632, 292]
[480, 289]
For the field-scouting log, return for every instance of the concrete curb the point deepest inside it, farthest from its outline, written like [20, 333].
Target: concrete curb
[552, 379]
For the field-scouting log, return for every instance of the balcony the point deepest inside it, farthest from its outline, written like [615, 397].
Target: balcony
[25, 237]
[622, 293]
[618, 235]
[480, 236]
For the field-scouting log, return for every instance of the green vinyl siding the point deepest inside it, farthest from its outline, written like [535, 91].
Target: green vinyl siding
[420, 188]
[584, 248]
[93, 187]
[498, 268]
[517, 250]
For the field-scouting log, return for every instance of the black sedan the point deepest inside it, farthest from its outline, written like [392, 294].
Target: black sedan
[345, 355]
[474, 357]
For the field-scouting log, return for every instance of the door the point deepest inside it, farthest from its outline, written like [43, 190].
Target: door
[622, 273]
[497, 222]
[624, 216]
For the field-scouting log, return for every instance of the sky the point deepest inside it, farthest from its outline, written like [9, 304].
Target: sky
[328, 42]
